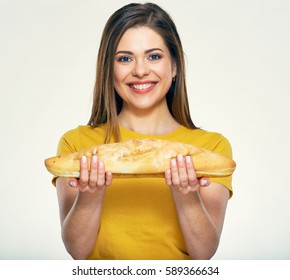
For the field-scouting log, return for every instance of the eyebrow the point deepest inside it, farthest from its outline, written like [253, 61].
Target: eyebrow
[147, 51]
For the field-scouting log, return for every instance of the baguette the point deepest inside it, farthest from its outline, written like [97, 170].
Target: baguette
[142, 158]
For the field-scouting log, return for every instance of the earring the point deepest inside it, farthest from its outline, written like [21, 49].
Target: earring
[173, 79]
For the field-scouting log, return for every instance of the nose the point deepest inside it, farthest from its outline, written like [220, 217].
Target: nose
[140, 69]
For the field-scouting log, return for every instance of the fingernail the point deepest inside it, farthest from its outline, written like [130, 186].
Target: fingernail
[188, 159]
[203, 182]
[173, 162]
[95, 159]
[84, 159]
[179, 157]
[101, 164]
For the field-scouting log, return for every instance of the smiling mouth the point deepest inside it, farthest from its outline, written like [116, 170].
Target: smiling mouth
[142, 86]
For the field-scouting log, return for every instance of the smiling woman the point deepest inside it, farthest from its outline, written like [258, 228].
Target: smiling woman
[140, 92]
[107, 102]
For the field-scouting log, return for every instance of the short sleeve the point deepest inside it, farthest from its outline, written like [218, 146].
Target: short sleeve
[67, 144]
[224, 147]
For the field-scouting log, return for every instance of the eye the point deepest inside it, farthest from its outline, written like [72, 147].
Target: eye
[154, 56]
[124, 58]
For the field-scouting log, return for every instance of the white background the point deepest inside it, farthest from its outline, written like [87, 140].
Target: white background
[238, 68]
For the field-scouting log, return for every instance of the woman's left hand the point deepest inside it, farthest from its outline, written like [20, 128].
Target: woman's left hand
[181, 176]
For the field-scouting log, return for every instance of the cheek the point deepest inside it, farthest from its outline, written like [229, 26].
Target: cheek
[168, 76]
[120, 76]
[166, 71]
[117, 75]
[117, 80]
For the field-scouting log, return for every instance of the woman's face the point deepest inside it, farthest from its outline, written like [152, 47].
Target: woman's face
[143, 69]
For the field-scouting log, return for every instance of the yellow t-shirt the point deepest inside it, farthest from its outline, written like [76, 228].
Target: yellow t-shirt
[139, 219]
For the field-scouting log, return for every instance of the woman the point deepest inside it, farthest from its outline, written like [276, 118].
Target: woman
[140, 92]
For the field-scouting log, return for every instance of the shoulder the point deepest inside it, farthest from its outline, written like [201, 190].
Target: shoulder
[81, 137]
[206, 135]
[213, 141]
[74, 135]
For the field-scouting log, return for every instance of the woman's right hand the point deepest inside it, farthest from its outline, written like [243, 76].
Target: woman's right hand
[95, 179]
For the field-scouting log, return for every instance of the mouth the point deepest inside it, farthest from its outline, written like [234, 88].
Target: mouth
[144, 86]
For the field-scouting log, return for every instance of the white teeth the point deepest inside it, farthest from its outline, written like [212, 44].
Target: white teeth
[141, 86]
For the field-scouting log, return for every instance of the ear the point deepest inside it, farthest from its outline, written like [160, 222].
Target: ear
[174, 70]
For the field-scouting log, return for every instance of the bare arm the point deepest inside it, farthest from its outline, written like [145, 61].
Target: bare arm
[80, 207]
[200, 210]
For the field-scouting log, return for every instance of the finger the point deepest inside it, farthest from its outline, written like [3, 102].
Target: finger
[72, 182]
[167, 176]
[183, 178]
[93, 174]
[109, 178]
[174, 173]
[192, 179]
[84, 174]
[101, 174]
[204, 182]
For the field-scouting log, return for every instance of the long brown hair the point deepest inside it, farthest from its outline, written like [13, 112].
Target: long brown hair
[106, 102]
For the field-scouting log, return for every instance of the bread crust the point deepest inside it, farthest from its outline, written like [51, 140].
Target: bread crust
[142, 158]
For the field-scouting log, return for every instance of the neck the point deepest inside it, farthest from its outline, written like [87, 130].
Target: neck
[156, 122]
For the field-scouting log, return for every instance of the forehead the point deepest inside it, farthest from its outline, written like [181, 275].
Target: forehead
[140, 38]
